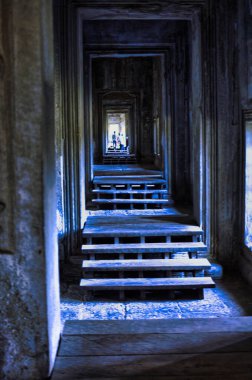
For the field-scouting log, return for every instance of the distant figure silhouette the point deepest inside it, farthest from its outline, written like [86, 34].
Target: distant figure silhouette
[114, 140]
[122, 142]
[118, 141]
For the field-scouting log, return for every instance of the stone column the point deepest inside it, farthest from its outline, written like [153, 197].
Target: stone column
[29, 296]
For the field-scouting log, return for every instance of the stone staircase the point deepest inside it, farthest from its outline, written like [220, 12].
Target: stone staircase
[119, 158]
[146, 252]
[130, 192]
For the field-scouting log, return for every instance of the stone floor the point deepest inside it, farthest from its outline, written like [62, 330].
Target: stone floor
[232, 297]
[157, 212]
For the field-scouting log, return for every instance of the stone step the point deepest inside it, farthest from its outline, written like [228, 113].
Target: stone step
[115, 170]
[119, 160]
[128, 176]
[133, 201]
[148, 283]
[128, 181]
[144, 248]
[131, 191]
[132, 230]
[156, 349]
[145, 265]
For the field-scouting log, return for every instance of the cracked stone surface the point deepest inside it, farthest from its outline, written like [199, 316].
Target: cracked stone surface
[103, 310]
[211, 304]
[152, 310]
[162, 211]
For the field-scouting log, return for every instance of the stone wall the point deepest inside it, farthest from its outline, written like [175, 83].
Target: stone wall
[245, 81]
[216, 128]
[228, 133]
[29, 298]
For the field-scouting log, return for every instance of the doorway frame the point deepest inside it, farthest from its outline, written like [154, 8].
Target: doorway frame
[114, 110]
[127, 101]
[166, 54]
[76, 13]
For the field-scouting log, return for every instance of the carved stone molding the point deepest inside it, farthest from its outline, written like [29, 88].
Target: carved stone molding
[176, 9]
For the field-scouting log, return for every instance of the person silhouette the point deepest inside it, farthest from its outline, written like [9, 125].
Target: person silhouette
[114, 140]
[122, 143]
[118, 141]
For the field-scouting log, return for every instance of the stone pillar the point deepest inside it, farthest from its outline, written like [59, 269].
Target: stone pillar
[245, 77]
[29, 297]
